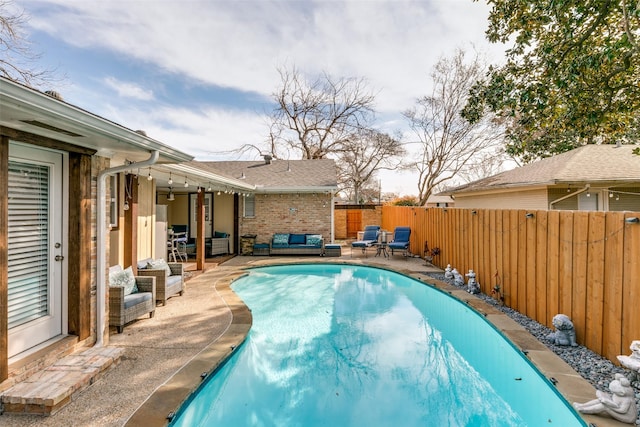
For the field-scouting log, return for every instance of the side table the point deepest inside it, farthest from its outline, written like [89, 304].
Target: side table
[381, 249]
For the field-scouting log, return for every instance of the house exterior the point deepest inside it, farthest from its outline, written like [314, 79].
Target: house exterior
[79, 193]
[591, 177]
[291, 196]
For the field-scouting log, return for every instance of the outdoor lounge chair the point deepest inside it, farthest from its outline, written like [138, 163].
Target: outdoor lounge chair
[128, 302]
[400, 240]
[169, 277]
[369, 239]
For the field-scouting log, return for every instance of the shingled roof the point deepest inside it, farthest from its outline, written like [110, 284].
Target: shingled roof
[595, 164]
[281, 175]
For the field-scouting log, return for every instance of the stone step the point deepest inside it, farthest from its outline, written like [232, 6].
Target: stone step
[47, 391]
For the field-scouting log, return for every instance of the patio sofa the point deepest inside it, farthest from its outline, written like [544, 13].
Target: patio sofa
[129, 296]
[296, 244]
[169, 277]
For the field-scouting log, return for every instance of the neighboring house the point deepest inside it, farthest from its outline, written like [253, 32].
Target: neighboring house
[592, 177]
[440, 201]
[291, 196]
[79, 193]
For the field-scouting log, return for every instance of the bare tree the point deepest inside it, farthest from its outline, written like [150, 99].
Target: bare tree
[17, 58]
[448, 142]
[316, 118]
[363, 155]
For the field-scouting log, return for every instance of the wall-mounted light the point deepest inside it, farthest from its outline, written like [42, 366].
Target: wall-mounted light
[632, 220]
[170, 182]
[588, 194]
[529, 215]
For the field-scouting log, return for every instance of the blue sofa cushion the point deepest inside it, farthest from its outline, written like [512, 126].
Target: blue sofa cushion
[220, 235]
[281, 239]
[297, 239]
[314, 239]
[135, 299]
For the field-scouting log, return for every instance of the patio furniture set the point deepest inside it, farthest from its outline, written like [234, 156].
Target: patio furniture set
[373, 238]
[133, 296]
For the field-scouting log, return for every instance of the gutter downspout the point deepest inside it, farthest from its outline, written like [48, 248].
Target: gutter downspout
[101, 239]
[553, 202]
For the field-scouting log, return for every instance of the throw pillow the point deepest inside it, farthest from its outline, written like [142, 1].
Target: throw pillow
[314, 239]
[297, 239]
[280, 239]
[160, 264]
[124, 279]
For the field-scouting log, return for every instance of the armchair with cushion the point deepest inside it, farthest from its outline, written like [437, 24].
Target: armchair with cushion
[129, 296]
[400, 240]
[369, 238]
[169, 277]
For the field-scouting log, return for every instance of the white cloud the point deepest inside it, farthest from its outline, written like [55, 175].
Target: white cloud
[393, 44]
[240, 44]
[128, 90]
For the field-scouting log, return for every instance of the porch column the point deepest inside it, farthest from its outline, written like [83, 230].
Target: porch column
[200, 246]
[131, 223]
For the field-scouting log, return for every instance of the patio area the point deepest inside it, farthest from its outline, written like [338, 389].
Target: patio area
[163, 357]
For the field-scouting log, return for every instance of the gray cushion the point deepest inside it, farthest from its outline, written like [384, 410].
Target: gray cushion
[172, 280]
[160, 264]
[142, 264]
[137, 298]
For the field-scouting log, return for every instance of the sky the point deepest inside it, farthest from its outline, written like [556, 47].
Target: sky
[199, 75]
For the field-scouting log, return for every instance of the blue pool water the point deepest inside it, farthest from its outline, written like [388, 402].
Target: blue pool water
[358, 346]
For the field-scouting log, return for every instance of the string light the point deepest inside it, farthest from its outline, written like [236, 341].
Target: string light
[170, 182]
[149, 178]
[186, 184]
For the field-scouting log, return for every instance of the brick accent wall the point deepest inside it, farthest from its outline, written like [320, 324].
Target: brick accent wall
[288, 213]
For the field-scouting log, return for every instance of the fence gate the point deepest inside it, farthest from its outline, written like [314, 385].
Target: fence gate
[354, 223]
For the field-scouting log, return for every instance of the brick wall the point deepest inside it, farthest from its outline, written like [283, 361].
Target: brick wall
[288, 213]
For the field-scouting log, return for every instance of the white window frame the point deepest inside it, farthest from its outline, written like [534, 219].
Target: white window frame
[249, 208]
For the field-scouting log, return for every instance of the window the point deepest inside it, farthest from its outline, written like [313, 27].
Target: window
[113, 201]
[250, 206]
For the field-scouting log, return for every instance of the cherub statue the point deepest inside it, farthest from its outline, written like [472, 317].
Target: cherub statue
[458, 280]
[620, 405]
[472, 286]
[565, 334]
[632, 362]
[447, 272]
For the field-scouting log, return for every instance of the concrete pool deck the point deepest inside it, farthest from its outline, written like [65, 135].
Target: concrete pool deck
[165, 357]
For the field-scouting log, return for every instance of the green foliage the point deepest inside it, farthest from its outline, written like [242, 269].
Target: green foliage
[406, 201]
[572, 74]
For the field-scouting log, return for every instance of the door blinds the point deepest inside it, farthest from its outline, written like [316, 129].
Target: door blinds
[28, 295]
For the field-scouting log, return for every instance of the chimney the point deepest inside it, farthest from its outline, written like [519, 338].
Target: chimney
[267, 159]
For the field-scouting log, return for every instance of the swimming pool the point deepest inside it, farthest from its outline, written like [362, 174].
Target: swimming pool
[357, 346]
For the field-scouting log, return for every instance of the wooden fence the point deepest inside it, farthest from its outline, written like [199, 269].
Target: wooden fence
[583, 264]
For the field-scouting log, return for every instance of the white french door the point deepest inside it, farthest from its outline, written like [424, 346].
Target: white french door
[37, 246]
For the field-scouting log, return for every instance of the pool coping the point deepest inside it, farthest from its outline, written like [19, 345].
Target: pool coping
[169, 397]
